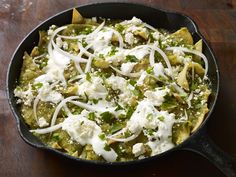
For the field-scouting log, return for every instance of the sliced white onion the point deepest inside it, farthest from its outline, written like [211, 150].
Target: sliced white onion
[118, 133]
[120, 38]
[40, 56]
[88, 65]
[72, 37]
[164, 57]
[195, 52]
[59, 106]
[139, 47]
[179, 89]
[152, 56]
[124, 139]
[126, 74]
[47, 130]
[83, 35]
[78, 67]
[67, 110]
[92, 107]
[97, 29]
[84, 51]
[73, 57]
[154, 48]
[150, 27]
[189, 100]
[36, 101]
[75, 78]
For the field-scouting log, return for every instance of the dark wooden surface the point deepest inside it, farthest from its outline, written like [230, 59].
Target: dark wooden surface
[217, 22]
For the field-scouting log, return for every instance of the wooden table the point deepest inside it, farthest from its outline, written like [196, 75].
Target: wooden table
[217, 22]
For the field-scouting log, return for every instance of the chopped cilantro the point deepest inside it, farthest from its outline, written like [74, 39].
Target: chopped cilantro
[55, 137]
[129, 112]
[101, 55]
[43, 64]
[169, 103]
[84, 44]
[95, 101]
[150, 131]
[37, 86]
[122, 116]
[115, 128]
[161, 118]
[87, 30]
[107, 117]
[107, 147]
[137, 92]
[149, 70]
[150, 116]
[113, 51]
[132, 82]
[127, 134]
[77, 110]
[81, 123]
[91, 116]
[102, 136]
[131, 58]
[88, 77]
[119, 28]
[119, 107]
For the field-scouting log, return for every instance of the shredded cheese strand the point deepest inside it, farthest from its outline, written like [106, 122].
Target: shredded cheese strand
[126, 74]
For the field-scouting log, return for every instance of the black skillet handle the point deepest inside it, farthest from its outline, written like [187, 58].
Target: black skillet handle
[203, 145]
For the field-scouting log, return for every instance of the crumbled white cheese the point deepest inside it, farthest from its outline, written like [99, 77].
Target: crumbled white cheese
[178, 52]
[94, 19]
[84, 132]
[24, 96]
[129, 38]
[127, 67]
[42, 122]
[158, 69]
[117, 82]
[136, 21]
[46, 94]
[147, 116]
[65, 45]
[141, 79]
[59, 42]
[94, 88]
[156, 35]
[104, 51]
[51, 30]
[101, 40]
[156, 96]
[138, 149]
[118, 57]
[140, 53]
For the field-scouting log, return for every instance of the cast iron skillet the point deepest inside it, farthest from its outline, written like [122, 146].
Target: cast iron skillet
[199, 142]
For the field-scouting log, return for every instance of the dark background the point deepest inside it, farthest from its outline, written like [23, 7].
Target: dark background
[217, 22]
